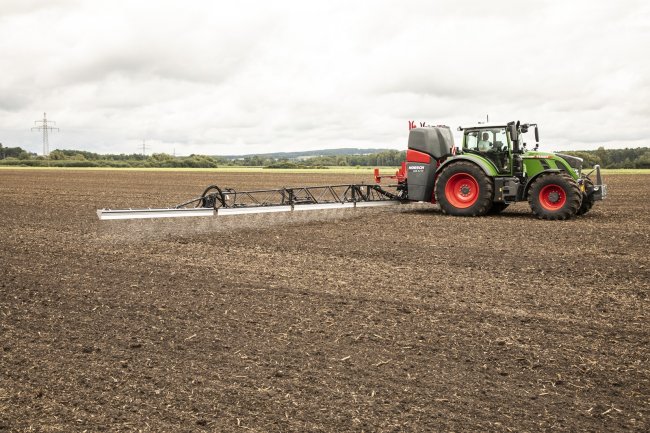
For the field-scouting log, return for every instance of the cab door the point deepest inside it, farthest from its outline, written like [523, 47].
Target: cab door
[492, 144]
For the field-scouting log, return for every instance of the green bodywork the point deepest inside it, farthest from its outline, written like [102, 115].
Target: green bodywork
[534, 162]
[488, 166]
[503, 163]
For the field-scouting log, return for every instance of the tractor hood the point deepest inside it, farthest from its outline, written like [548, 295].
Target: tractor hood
[567, 161]
[573, 161]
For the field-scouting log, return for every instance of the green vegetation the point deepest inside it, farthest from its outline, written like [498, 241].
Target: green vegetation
[292, 166]
[77, 158]
[615, 158]
[638, 158]
[303, 154]
[15, 153]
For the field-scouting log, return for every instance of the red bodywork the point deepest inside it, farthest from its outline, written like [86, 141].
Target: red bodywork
[416, 157]
[400, 175]
[411, 156]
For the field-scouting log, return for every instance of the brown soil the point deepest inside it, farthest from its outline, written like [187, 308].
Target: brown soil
[399, 319]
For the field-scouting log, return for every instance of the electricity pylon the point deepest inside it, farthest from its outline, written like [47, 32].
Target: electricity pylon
[44, 125]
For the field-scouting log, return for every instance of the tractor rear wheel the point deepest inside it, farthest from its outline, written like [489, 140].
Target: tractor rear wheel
[587, 197]
[463, 189]
[554, 196]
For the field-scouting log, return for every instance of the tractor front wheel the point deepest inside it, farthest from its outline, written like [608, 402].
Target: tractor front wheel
[463, 189]
[554, 196]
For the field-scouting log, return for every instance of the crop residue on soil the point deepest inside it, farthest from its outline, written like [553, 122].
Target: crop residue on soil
[399, 319]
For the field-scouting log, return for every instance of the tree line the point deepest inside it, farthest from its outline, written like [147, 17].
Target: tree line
[606, 158]
[79, 158]
[615, 158]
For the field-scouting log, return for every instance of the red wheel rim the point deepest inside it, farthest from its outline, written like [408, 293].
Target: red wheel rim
[461, 190]
[552, 197]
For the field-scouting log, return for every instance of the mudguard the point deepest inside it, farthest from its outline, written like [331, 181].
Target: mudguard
[486, 165]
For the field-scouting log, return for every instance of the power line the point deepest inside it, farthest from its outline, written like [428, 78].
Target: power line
[45, 127]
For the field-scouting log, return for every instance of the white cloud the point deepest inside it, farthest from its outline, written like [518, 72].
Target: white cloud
[217, 77]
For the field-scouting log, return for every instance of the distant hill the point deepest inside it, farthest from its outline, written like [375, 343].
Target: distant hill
[308, 153]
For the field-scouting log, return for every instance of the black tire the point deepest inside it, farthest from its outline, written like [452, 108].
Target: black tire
[497, 208]
[554, 196]
[463, 189]
[588, 199]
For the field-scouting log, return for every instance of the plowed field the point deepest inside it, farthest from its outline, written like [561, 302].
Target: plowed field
[395, 319]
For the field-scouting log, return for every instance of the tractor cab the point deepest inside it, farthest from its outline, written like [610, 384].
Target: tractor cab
[491, 143]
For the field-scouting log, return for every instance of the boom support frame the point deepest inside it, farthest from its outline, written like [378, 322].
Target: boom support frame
[216, 201]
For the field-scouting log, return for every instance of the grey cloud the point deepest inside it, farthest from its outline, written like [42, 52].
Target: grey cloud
[14, 99]
[207, 77]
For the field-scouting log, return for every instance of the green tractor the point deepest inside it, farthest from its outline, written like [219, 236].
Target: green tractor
[493, 169]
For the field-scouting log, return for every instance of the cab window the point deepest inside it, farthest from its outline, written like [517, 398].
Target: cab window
[471, 140]
[491, 143]
[500, 140]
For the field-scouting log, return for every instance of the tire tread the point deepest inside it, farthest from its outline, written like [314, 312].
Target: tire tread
[574, 198]
[486, 189]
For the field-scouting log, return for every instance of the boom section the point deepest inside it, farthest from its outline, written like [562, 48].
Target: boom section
[216, 201]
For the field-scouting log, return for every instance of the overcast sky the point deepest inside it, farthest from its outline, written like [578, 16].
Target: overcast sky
[234, 77]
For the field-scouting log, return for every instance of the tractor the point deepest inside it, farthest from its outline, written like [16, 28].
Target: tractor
[492, 170]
